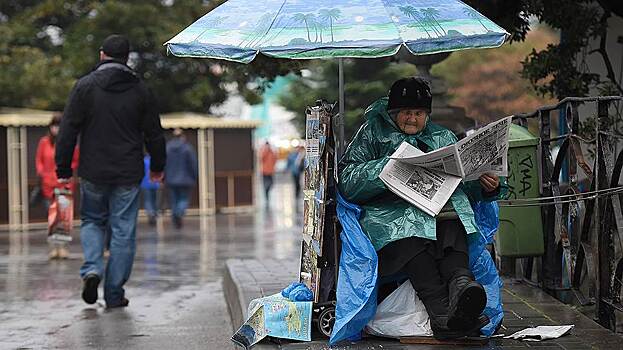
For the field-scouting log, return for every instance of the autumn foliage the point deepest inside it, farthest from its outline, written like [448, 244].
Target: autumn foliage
[493, 90]
[488, 83]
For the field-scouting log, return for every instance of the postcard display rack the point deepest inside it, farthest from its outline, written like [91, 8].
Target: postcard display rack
[320, 244]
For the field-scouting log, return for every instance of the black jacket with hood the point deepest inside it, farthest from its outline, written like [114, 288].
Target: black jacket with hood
[115, 114]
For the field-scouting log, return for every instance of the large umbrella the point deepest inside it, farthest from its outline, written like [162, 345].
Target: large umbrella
[239, 30]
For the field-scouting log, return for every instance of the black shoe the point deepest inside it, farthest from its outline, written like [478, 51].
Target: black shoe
[467, 301]
[472, 329]
[439, 325]
[152, 221]
[89, 289]
[121, 303]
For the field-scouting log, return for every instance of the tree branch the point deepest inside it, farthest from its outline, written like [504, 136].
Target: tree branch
[604, 53]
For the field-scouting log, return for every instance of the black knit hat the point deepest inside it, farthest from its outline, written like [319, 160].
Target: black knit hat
[116, 46]
[410, 93]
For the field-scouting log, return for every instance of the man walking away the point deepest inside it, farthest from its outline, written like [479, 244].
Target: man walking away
[267, 160]
[180, 174]
[115, 115]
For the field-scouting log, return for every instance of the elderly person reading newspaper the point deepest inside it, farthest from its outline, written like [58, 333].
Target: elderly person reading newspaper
[431, 251]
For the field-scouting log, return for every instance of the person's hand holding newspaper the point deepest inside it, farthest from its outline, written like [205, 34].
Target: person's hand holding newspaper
[427, 180]
[489, 182]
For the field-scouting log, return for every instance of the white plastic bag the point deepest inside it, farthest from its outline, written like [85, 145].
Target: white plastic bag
[401, 314]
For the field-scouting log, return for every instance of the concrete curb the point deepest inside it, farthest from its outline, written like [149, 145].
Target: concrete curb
[232, 298]
[248, 279]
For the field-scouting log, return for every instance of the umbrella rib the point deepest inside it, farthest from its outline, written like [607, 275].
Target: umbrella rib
[272, 23]
[279, 32]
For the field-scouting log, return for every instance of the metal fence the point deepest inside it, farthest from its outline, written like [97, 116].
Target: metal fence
[583, 229]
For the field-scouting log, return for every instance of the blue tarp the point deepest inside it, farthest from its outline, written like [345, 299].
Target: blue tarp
[297, 291]
[356, 287]
[482, 265]
[357, 280]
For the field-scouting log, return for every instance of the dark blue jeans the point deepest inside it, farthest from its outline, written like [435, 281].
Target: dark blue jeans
[178, 196]
[150, 201]
[268, 183]
[117, 207]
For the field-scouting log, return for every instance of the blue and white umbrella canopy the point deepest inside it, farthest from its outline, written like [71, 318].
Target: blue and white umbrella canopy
[239, 30]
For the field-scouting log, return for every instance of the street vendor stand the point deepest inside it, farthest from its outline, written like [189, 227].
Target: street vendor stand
[239, 30]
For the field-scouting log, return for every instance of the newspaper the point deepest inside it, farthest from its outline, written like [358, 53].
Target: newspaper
[427, 180]
[427, 189]
[541, 333]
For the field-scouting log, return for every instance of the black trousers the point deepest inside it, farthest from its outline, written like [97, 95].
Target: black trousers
[429, 264]
[430, 277]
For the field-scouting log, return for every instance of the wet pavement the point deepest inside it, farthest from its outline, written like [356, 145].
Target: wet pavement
[175, 291]
[524, 306]
[177, 300]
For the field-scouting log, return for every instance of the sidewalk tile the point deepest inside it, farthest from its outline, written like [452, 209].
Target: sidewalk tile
[525, 306]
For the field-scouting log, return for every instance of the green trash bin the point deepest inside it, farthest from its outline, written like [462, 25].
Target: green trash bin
[521, 228]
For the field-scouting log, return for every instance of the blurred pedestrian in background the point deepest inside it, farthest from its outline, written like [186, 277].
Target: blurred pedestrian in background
[150, 193]
[46, 170]
[296, 165]
[180, 174]
[115, 115]
[268, 158]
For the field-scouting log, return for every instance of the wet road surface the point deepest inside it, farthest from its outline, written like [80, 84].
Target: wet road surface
[175, 291]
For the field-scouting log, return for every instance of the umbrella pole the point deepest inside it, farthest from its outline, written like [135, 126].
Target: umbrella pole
[340, 121]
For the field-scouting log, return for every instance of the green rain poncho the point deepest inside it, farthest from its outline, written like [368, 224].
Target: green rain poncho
[387, 217]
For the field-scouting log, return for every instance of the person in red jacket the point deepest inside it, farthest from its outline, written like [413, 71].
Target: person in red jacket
[268, 158]
[46, 170]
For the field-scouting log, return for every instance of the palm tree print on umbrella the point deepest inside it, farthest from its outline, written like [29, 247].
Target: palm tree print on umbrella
[305, 18]
[475, 15]
[330, 15]
[412, 12]
[313, 21]
[334, 29]
[432, 14]
[282, 23]
[321, 25]
[260, 30]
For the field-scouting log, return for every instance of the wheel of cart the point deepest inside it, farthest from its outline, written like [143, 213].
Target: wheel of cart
[324, 317]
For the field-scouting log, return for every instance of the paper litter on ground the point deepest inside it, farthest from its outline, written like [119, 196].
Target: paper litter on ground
[541, 333]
